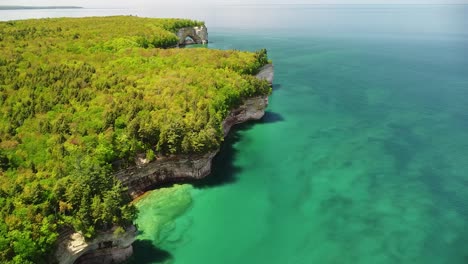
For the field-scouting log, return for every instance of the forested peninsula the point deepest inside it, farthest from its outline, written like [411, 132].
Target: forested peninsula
[81, 98]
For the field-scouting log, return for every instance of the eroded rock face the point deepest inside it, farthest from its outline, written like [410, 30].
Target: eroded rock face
[106, 248]
[266, 73]
[196, 35]
[145, 175]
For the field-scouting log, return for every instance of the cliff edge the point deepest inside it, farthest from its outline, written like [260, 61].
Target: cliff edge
[145, 175]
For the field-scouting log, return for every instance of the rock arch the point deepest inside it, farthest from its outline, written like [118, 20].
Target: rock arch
[199, 35]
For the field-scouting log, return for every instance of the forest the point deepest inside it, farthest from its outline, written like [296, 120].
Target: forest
[79, 94]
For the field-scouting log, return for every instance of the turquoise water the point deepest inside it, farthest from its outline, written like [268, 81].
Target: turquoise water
[362, 156]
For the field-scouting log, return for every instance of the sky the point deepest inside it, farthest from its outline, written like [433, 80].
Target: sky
[154, 3]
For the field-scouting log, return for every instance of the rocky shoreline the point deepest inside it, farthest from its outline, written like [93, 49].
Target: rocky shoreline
[145, 175]
[106, 247]
[114, 247]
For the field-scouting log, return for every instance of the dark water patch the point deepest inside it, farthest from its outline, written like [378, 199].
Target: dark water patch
[402, 145]
[223, 170]
[401, 153]
[146, 253]
[276, 87]
[435, 176]
[347, 163]
[305, 190]
[336, 203]
[271, 117]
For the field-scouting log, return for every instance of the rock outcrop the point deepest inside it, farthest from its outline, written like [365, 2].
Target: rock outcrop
[145, 175]
[266, 73]
[192, 35]
[110, 248]
[106, 248]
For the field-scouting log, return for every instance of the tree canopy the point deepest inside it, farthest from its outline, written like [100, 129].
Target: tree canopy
[77, 94]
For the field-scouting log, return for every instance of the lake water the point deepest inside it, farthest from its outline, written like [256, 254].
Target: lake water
[362, 156]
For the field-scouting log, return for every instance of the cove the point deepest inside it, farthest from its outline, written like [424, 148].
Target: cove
[361, 157]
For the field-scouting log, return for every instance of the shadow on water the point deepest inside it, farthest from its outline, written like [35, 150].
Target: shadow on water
[270, 117]
[223, 170]
[145, 252]
[276, 86]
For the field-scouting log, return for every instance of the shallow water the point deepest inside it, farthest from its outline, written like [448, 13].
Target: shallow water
[362, 156]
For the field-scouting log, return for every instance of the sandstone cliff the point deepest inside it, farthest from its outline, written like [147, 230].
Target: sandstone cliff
[109, 248]
[144, 176]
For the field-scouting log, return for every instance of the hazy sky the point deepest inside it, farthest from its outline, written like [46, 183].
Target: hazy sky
[140, 3]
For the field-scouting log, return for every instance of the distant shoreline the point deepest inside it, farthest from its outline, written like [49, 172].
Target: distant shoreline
[38, 7]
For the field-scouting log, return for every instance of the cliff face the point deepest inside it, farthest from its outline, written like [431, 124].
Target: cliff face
[109, 248]
[145, 175]
[106, 248]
